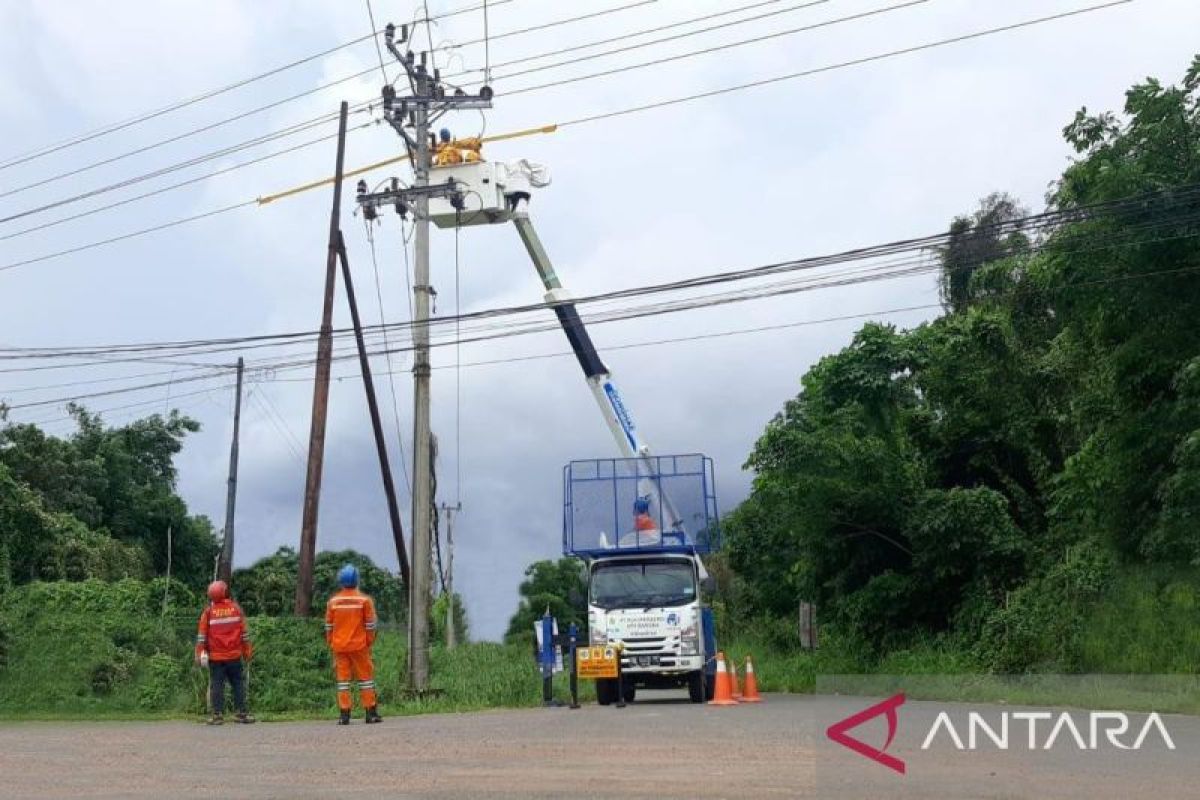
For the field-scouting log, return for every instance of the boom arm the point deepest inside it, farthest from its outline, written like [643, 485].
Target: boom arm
[599, 379]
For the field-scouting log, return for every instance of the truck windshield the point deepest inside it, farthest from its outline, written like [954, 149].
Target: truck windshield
[643, 584]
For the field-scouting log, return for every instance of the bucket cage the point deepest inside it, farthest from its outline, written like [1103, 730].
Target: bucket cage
[613, 506]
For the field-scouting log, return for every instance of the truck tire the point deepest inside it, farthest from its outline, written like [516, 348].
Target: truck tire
[606, 691]
[696, 686]
[629, 692]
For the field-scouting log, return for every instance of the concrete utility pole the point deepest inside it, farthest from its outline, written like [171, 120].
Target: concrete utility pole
[225, 570]
[410, 116]
[418, 617]
[320, 409]
[451, 634]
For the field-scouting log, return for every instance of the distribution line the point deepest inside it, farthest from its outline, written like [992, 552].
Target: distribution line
[623, 112]
[275, 104]
[684, 306]
[698, 32]
[118, 126]
[1143, 203]
[736, 331]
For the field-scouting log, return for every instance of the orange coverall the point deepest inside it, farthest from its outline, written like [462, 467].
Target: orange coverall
[350, 626]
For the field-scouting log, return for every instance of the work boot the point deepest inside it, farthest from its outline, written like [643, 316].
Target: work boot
[216, 719]
[373, 715]
[244, 719]
[344, 719]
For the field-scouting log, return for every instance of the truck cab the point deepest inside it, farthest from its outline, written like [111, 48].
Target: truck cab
[645, 576]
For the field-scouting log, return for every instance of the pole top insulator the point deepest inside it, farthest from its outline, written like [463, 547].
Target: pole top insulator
[389, 32]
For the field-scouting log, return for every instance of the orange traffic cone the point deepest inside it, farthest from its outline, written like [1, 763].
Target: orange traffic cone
[733, 680]
[723, 691]
[751, 695]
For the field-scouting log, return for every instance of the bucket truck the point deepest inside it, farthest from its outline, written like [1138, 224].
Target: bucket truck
[641, 522]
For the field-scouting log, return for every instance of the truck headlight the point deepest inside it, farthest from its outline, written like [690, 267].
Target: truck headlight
[689, 641]
[596, 635]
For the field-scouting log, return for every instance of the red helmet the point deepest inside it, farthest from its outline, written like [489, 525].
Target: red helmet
[217, 590]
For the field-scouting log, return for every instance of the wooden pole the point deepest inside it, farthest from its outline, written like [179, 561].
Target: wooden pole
[320, 407]
[385, 466]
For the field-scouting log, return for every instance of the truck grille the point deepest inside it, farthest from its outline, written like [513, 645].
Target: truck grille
[650, 651]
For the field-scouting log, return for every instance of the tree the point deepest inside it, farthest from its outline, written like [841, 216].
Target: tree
[117, 482]
[268, 587]
[990, 234]
[559, 586]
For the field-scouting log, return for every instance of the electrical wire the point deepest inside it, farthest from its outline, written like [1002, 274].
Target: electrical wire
[390, 368]
[1047, 221]
[675, 101]
[707, 302]
[209, 94]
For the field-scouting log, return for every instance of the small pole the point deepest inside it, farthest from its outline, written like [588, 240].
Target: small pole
[451, 633]
[573, 636]
[225, 569]
[320, 407]
[167, 585]
[547, 659]
[620, 682]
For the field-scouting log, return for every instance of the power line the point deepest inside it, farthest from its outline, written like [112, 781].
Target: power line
[842, 65]
[771, 291]
[275, 104]
[688, 34]
[670, 102]
[1146, 202]
[1143, 203]
[145, 116]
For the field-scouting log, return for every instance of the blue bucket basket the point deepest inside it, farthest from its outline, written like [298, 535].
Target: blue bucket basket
[631, 505]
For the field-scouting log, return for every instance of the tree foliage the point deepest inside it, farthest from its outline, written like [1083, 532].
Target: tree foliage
[941, 478]
[268, 587]
[99, 503]
[559, 586]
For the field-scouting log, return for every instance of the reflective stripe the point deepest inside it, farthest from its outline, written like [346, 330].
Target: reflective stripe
[201, 638]
[371, 626]
[245, 637]
[366, 684]
[328, 626]
[224, 621]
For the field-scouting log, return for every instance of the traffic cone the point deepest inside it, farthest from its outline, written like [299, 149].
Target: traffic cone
[751, 695]
[723, 691]
[733, 680]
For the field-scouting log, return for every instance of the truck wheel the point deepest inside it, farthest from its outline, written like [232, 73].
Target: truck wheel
[629, 692]
[696, 686]
[606, 691]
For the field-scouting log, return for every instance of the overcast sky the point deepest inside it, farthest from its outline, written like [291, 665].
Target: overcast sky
[840, 159]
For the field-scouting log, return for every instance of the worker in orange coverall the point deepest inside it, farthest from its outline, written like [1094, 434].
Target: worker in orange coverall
[350, 626]
[222, 641]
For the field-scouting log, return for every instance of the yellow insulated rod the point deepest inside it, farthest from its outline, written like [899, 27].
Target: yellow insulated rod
[499, 137]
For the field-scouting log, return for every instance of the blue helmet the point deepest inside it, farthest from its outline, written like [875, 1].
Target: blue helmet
[641, 505]
[444, 134]
[348, 576]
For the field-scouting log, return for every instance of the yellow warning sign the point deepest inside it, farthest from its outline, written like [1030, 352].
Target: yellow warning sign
[596, 662]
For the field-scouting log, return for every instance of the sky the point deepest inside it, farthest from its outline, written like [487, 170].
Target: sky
[837, 159]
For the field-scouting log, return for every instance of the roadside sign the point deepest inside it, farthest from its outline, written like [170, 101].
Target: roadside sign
[596, 662]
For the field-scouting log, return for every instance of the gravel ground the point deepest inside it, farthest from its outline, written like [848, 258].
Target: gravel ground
[661, 748]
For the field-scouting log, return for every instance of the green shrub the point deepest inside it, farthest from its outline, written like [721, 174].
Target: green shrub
[161, 684]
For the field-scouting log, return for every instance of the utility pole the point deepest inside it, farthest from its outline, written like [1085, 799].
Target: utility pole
[320, 407]
[451, 634]
[418, 617]
[409, 116]
[225, 570]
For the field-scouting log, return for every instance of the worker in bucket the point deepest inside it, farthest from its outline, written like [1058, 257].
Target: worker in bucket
[642, 521]
[223, 646]
[350, 626]
[456, 151]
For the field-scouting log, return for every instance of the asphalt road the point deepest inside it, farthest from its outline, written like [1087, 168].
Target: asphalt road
[663, 748]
